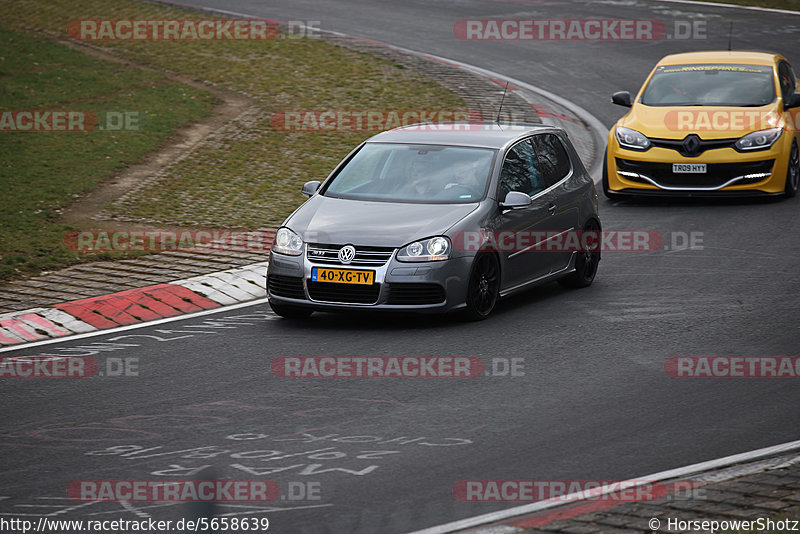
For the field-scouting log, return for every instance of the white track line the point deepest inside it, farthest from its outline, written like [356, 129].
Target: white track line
[733, 6]
[24, 346]
[688, 470]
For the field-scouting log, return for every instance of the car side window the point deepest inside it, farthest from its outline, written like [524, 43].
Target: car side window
[552, 157]
[787, 80]
[521, 171]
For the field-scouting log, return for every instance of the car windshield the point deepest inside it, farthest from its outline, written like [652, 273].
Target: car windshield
[394, 172]
[710, 85]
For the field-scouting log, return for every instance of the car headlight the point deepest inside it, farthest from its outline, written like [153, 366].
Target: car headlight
[759, 140]
[631, 139]
[287, 242]
[433, 249]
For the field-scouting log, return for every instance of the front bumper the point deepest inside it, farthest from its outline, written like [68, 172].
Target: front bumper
[729, 173]
[425, 287]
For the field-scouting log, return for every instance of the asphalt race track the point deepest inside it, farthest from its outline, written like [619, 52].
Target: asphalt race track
[593, 401]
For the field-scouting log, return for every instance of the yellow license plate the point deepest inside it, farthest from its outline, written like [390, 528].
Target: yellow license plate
[342, 276]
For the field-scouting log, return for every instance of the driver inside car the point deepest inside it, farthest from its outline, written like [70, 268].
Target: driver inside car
[420, 182]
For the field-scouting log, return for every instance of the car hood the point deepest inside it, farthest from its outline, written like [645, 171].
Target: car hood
[709, 122]
[378, 224]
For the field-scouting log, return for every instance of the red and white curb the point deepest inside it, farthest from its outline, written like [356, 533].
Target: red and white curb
[144, 304]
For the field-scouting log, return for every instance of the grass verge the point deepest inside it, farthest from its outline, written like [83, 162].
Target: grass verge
[246, 176]
[42, 171]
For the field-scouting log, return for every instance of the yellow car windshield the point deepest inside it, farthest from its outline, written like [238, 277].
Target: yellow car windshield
[710, 85]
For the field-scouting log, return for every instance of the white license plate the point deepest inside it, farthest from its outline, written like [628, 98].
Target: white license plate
[689, 168]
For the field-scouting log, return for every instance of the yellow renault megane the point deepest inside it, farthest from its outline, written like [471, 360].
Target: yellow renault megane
[708, 124]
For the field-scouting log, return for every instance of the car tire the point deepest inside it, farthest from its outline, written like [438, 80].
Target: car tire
[793, 172]
[287, 311]
[483, 288]
[606, 188]
[586, 262]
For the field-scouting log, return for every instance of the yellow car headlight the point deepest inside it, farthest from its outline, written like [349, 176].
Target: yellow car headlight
[631, 139]
[759, 140]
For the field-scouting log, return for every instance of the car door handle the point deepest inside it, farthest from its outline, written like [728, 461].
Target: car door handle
[551, 208]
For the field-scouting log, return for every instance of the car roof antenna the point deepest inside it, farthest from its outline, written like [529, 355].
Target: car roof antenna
[497, 120]
[730, 36]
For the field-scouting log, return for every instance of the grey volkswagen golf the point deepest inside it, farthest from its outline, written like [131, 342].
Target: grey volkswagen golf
[439, 218]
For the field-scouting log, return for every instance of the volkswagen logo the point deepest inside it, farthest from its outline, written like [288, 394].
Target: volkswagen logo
[347, 253]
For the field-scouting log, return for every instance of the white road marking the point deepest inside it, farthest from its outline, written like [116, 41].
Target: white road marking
[733, 6]
[24, 346]
[686, 471]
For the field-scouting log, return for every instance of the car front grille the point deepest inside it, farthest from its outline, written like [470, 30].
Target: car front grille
[285, 286]
[365, 256]
[716, 174]
[344, 293]
[691, 150]
[415, 294]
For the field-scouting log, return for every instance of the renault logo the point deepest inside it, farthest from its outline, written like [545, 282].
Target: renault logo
[691, 145]
[347, 253]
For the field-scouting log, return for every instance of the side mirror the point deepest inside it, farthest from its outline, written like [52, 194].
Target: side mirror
[793, 102]
[309, 188]
[622, 98]
[515, 200]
